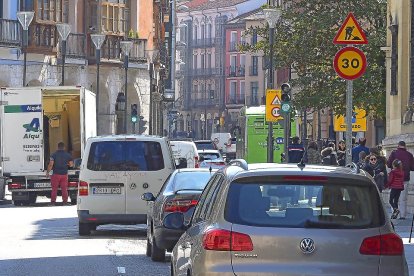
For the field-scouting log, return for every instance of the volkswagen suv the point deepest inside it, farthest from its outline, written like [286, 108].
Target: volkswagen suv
[288, 220]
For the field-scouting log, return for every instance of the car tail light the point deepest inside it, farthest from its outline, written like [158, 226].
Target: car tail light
[197, 162]
[83, 188]
[179, 205]
[15, 186]
[219, 163]
[73, 184]
[224, 240]
[388, 244]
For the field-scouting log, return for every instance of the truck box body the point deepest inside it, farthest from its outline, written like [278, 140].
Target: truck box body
[33, 121]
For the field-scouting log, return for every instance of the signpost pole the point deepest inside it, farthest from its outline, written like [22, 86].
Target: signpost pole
[270, 86]
[348, 135]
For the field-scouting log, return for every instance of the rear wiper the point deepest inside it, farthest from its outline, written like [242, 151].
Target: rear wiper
[324, 224]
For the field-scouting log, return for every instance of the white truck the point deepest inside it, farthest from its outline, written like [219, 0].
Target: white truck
[33, 121]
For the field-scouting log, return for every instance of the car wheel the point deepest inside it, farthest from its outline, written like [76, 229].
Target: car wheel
[84, 229]
[148, 251]
[157, 254]
[17, 203]
[73, 200]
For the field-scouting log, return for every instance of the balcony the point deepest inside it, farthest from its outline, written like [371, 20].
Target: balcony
[43, 39]
[203, 42]
[236, 71]
[75, 46]
[200, 102]
[253, 71]
[9, 32]
[252, 101]
[207, 72]
[235, 101]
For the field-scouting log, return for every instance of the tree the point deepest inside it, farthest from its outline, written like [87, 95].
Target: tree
[303, 41]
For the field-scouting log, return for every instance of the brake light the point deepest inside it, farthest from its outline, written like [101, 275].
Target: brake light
[305, 178]
[73, 184]
[179, 205]
[388, 244]
[224, 240]
[197, 162]
[83, 188]
[15, 186]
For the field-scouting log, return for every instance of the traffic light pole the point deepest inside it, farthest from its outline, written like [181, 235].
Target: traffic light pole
[270, 86]
[126, 93]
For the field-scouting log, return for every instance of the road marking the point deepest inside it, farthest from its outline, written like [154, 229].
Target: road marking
[121, 270]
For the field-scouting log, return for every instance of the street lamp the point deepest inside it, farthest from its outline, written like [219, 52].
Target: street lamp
[272, 16]
[98, 40]
[64, 31]
[25, 18]
[126, 47]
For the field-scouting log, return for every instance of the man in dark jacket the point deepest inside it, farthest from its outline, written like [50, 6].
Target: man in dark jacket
[295, 151]
[358, 149]
[407, 159]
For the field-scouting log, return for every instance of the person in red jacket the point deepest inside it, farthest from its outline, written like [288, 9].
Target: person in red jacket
[396, 184]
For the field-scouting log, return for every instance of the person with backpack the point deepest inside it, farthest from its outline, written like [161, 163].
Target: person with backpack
[396, 184]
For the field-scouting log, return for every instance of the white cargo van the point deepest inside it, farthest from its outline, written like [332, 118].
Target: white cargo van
[115, 172]
[187, 150]
[221, 139]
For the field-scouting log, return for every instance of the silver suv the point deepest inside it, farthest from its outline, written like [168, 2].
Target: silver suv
[288, 220]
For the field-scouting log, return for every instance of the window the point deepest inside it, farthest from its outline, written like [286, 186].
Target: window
[93, 14]
[49, 10]
[125, 156]
[203, 31]
[242, 92]
[195, 61]
[195, 33]
[211, 91]
[254, 93]
[254, 37]
[233, 88]
[208, 60]
[190, 181]
[255, 65]
[26, 5]
[204, 207]
[203, 61]
[115, 17]
[209, 30]
[335, 205]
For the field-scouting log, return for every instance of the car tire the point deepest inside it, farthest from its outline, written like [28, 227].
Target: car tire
[17, 203]
[157, 254]
[84, 229]
[148, 251]
[73, 200]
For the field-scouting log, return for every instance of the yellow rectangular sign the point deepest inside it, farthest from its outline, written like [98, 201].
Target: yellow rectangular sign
[359, 121]
[273, 105]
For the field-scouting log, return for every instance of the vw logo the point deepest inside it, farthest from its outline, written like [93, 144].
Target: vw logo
[133, 186]
[307, 245]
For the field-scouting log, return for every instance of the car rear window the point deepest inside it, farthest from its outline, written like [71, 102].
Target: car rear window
[125, 156]
[304, 205]
[205, 145]
[191, 180]
[209, 156]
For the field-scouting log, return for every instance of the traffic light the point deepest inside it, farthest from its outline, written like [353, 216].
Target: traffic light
[286, 97]
[134, 113]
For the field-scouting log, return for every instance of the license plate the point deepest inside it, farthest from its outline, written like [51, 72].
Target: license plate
[42, 185]
[106, 191]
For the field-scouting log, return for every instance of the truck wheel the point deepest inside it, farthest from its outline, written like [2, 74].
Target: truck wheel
[25, 202]
[84, 229]
[17, 203]
[73, 200]
[157, 254]
[32, 198]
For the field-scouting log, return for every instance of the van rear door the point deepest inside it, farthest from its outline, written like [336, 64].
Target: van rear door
[22, 130]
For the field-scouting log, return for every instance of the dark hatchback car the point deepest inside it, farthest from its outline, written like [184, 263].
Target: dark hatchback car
[180, 193]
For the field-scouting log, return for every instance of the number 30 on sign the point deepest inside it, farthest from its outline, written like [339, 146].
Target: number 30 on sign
[350, 63]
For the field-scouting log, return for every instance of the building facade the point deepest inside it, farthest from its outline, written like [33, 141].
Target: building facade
[118, 19]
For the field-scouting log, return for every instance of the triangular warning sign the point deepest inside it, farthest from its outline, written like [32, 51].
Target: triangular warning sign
[276, 101]
[350, 32]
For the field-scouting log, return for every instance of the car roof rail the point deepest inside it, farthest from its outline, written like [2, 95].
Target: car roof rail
[354, 167]
[239, 162]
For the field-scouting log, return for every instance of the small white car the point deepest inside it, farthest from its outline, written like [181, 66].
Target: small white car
[115, 172]
[211, 159]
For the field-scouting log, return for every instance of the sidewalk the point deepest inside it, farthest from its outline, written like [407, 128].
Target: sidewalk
[402, 227]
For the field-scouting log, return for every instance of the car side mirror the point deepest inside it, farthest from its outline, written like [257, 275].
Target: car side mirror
[175, 221]
[182, 163]
[148, 197]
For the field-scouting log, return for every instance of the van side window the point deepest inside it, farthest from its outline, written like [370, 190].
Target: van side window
[209, 198]
[125, 156]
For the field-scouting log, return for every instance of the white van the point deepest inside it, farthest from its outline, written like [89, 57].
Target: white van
[221, 139]
[115, 172]
[187, 150]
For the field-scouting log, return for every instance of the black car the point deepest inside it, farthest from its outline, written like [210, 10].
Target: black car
[179, 193]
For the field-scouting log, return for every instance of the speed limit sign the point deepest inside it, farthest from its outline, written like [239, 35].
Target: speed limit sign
[350, 63]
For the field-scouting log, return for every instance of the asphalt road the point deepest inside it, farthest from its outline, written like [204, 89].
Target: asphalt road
[43, 240]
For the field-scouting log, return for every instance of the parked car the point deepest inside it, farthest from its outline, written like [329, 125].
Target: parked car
[211, 159]
[186, 150]
[115, 172]
[205, 145]
[288, 220]
[179, 193]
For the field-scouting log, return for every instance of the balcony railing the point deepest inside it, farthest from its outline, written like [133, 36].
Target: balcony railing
[252, 101]
[9, 32]
[233, 100]
[205, 72]
[75, 46]
[233, 46]
[138, 51]
[236, 71]
[203, 42]
[253, 71]
[200, 102]
[43, 39]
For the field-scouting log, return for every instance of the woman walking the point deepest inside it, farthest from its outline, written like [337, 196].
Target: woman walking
[341, 153]
[396, 184]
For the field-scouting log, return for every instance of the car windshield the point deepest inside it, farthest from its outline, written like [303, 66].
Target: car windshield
[125, 156]
[209, 156]
[195, 180]
[304, 205]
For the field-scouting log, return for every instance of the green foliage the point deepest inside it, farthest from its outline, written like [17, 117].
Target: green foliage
[303, 40]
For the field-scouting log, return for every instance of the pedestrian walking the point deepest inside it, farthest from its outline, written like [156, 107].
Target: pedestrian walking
[341, 153]
[59, 163]
[312, 154]
[376, 170]
[396, 184]
[361, 147]
[329, 157]
[295, 151]
[407, 160]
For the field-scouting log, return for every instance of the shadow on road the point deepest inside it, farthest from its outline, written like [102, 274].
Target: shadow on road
[67, 228]
[84, 265]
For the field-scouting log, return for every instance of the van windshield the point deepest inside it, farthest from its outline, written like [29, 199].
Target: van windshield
[125, 156]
